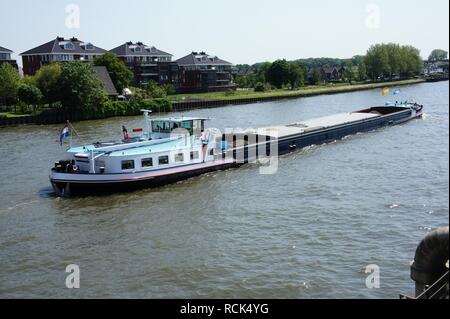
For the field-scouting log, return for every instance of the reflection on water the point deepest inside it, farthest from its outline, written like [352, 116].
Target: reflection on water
[308, 231]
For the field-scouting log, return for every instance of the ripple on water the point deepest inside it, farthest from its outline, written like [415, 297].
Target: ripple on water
[309, 231]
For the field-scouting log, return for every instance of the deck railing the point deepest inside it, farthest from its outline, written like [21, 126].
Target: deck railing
[438, 290]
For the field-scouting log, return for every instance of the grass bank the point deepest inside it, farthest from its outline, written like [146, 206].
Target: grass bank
[13, 115]
[273, 94]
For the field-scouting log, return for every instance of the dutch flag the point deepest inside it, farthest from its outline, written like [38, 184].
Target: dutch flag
[65, 133]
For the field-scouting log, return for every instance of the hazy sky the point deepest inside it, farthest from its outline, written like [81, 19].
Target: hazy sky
[240, 31]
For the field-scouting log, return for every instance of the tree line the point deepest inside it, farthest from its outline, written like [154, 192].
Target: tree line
[72, 85]
[384, 61]
[381, 62]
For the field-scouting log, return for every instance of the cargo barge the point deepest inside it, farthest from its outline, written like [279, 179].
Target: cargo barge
[175, 149]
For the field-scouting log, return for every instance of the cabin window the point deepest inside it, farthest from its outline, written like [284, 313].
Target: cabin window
[163, 160]
[174, 126]
[179, 157]
[127, 165]
[147, 162]
[188, 125]
[194, 155]
[161, 126]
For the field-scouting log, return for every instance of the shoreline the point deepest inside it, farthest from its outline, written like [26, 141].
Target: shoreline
[223, 99]
[256, 97]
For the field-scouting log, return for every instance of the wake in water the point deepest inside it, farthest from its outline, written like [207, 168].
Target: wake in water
[17, 206]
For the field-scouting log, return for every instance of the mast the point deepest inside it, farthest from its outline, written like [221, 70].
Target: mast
[147, 120]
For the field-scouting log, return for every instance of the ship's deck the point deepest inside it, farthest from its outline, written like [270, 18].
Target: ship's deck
[315, 124]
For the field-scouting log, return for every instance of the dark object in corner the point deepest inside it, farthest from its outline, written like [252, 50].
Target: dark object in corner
[430, 264]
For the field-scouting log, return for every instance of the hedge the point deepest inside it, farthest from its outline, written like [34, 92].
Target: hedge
[125, 108]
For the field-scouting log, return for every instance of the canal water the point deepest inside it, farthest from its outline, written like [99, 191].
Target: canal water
[309, 231]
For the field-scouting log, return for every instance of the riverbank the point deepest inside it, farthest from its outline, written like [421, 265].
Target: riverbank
[185, 102]
[191, 101]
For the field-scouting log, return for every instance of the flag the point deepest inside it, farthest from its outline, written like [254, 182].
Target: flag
[396, 92]
[65, 133]
[385, 91]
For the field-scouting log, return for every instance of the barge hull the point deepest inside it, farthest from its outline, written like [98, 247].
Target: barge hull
[336, 133]
[72, 184]
[66, 187]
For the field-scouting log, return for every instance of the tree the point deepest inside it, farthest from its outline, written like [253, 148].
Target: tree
[260, 87]
[385, 60]
[357, 59]
[278, 73]
[80, 87]
[47, 80]
[362, 71]
[413, 63]
[438, 54]
[296, 75]
[155, 91]
[169, 89]
[243, 81]
[349, 71]
[315, 76]
[9, 82]
[320, 62]
[118, 71]
[377, 61]
[262, 72]
[29, 94]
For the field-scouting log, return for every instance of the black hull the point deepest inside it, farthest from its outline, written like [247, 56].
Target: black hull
[336, 133]
[74, 188]
[286, 145]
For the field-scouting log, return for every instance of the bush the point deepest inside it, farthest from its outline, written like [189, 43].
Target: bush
[138, 94]
[260, 87]
[124, 108]
[29, 94]
[230, 92]
[9, 82]
[155, 91]
[169, 89]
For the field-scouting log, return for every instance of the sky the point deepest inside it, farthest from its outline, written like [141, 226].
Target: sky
[240, 31]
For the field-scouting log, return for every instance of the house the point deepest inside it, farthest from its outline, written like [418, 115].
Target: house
[147, 63]
[436, 67]
[331, 73]
[326, 74]
[5, 57]
[104, 77]
[59, 50]
[200, 72]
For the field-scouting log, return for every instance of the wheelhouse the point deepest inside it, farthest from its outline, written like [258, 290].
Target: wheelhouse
[166, 126]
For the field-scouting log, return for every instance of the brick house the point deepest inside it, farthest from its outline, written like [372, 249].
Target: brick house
[59, 50]
[5, 57]
[200, 72]
[147, 63]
